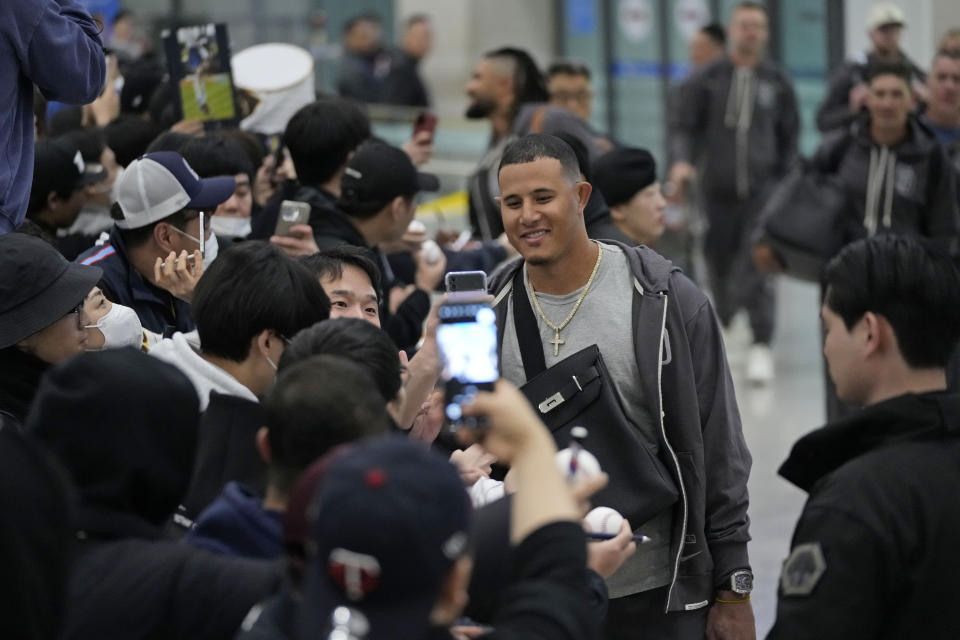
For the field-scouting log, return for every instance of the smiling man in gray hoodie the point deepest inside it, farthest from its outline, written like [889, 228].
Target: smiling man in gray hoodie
[661, 349]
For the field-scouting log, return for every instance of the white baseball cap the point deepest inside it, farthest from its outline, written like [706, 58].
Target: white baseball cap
[157, 185]
[883, 14]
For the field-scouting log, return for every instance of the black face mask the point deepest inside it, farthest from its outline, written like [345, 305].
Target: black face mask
[480, 108]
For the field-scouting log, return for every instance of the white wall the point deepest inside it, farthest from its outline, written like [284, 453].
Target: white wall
[919, 38]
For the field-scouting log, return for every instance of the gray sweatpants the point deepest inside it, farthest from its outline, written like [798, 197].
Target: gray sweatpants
[734, 281]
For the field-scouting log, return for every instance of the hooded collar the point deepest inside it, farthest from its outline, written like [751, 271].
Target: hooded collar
[204, 375]
[919, 141]
[907, 418]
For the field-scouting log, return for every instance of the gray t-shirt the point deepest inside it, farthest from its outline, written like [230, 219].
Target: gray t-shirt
[605, 318]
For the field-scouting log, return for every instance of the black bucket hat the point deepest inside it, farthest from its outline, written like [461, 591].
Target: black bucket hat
[37, 286]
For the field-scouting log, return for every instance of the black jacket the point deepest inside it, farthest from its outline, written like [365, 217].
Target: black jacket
[159, 311]
[403, 85]
[129, 583]
[321, 203]
[683, 371]
[226, 452]
[884, 514]
[834, 113]
[924, 191]
[20, 374]
[731, 166]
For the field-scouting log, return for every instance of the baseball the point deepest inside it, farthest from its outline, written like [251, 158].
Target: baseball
[432, 252]
[584, 467]
[604, 520]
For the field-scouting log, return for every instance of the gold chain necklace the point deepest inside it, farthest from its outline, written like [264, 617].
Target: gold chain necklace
[557, 341]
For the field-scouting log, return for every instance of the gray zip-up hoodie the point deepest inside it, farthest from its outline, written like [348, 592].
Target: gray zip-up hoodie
[701, 439]
[740, 127]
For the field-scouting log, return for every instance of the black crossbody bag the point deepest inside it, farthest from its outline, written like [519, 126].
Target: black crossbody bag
[578, 391]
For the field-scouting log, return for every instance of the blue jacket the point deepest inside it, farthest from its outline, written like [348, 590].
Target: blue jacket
[158, 310]
[236, 524]
[56, 45]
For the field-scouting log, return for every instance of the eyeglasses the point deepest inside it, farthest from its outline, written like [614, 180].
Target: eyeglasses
[79, 312]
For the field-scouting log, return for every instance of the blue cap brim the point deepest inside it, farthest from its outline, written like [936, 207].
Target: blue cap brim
[213, 192]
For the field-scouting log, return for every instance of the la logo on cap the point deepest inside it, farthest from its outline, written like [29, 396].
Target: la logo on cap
[78, 162]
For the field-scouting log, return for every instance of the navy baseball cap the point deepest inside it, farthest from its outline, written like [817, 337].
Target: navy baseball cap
[390, 519]
[378, 173]
[58, 166]
[157, 185]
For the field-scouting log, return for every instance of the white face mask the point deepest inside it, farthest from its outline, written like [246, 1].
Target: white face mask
[230, 227]
[210, 249]
[120, 328]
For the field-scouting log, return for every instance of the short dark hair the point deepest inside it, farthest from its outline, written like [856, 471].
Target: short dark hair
[355, 339]
[169, 141]
[251, 287]
[315, 405]
[216, 155]
[90, 142]
[898, 69]
[321, 135]
[715, 32]
[529, 84]
[129, 136]
[329, 263]
[252, 145]
[568, 68]
[914, 285]
[138, 237]
[949, 54]
[752, 6]
[414, 19]
[366, 16]
[541, 145]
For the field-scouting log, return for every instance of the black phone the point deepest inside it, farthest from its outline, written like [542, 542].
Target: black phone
[467, 339]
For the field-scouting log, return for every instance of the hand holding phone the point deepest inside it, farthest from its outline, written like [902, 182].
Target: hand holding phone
[291, 213]
[467, 340]
[425, 122]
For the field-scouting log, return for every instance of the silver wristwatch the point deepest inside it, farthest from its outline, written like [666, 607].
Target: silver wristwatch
[741, 582]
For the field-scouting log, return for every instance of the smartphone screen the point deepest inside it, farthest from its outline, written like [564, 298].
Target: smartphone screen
[291, 213]
[467, 338]
[425, 121]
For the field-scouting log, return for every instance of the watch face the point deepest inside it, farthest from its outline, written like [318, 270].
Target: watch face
[742, 582]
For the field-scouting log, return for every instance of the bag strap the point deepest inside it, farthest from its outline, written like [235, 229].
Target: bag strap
[528, 333]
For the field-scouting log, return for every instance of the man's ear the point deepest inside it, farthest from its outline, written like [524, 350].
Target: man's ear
[263, 444]
[398, 208]
[262, 342]
[583, 190]
[53, 201]
[163, 236]
[874, 330]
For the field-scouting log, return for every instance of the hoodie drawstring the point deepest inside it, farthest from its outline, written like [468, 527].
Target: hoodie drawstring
[739, 115]
[882, 170]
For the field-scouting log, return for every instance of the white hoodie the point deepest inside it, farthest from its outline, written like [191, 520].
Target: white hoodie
[205, 376]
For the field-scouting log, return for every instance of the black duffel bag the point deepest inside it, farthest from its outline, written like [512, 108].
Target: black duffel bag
[805, 221]
[578, 391]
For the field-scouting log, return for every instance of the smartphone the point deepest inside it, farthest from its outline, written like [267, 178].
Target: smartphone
[291, 213]
[467, 338]
[425, 121]
[465, 285]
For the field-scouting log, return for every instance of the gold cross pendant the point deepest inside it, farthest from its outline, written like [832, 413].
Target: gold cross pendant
[556, 342]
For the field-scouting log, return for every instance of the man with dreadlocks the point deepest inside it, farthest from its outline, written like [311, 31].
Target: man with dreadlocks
[508, 89]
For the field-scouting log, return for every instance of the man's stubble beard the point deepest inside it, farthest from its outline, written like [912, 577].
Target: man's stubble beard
[479, 109]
